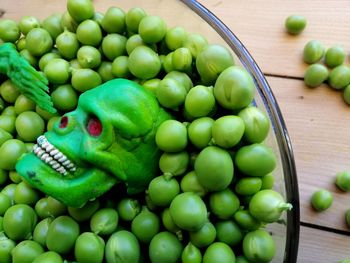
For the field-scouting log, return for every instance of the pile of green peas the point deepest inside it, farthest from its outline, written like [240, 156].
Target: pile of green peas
[327, 66]
[214, 193]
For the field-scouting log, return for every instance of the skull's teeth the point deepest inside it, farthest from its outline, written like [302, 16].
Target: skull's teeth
[52, 156]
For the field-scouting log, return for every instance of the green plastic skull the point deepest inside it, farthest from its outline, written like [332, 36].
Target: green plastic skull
[109, 138]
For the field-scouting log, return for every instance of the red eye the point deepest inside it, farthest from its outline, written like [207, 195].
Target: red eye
[94, 126]
[64, 122]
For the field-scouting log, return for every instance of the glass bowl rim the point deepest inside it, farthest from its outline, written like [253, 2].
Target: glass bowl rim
[282, 136]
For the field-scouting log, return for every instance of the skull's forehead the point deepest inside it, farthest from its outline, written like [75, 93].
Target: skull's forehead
[129, 107]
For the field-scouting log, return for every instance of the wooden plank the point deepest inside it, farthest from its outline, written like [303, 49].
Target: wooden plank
[320, 246]
[260, 26]
[315, 120]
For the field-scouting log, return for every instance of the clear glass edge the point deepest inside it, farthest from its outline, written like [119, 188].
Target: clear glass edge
[282, 136]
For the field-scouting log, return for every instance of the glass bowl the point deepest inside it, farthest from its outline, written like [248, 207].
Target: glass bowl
[195, 18]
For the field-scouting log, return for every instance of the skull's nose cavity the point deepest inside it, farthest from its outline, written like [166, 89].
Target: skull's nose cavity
[63, 122]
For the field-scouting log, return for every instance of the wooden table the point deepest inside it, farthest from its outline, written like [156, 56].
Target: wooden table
[318, 120]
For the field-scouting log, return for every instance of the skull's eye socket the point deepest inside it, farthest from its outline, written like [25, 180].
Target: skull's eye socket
[94, 126]
[63, 122]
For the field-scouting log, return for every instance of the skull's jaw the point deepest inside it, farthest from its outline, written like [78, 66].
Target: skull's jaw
[73, 190]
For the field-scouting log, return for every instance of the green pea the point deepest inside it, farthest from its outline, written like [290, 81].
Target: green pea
[10, 152]
[211, 61]
[347, 217]
[200, 101]
[268, 205]
[214, 168]
[6, 246]
[19, 222]
[313, 51]
[24, 194]
[246, 221]
[21, 44]
[46, 58]
[195, 43]
[133, 42]
[248, 185]
[144, 63]
[104, 221]
[256, 123]
[151, 85]
[342, 181]
[128, 208]
[67, 22]
[9, 91]
[224, 204]
[190, 183]
[152, 29]
[85, 212]
[234, 89]
[114, 20]
[228, 232]
[8, 123]
[174, 163]
[133, 18]
[62, 234]
[9, 110]
[4, 136]
[27, 23]
[122, 246]
[57, 71]
[259, 246]
[339, 77]
[52, 24]
[67, 44]
[203, 236]
[26, 251]
[165, 247]
[219, 252]
[145, 225]
[182, 59]
[181, 78]
[162, 190]
[188, 205]
[268, 181]
[33, 60]
[105, 71]
[22, 104]
[315, 75]
[199, 132]
[242, 259]
[168, 222]
[85, 79]
[88, 57]
[5, 203]
[44, 114]
[120, 67]
[191, 254]
[346, 94]
[295, 24]
[335, 56]
[171, 136]
[321, 200]
[29, 125]
[40, 231]
[9, 190]
[38, 41]
[89, 247]
[64, 98]
[80, 10]
[114, 45]
[227, 131]
[49, 256]
[175, 37]
[255, 159]
[9, 30]
[170, 93]
[89, 33]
